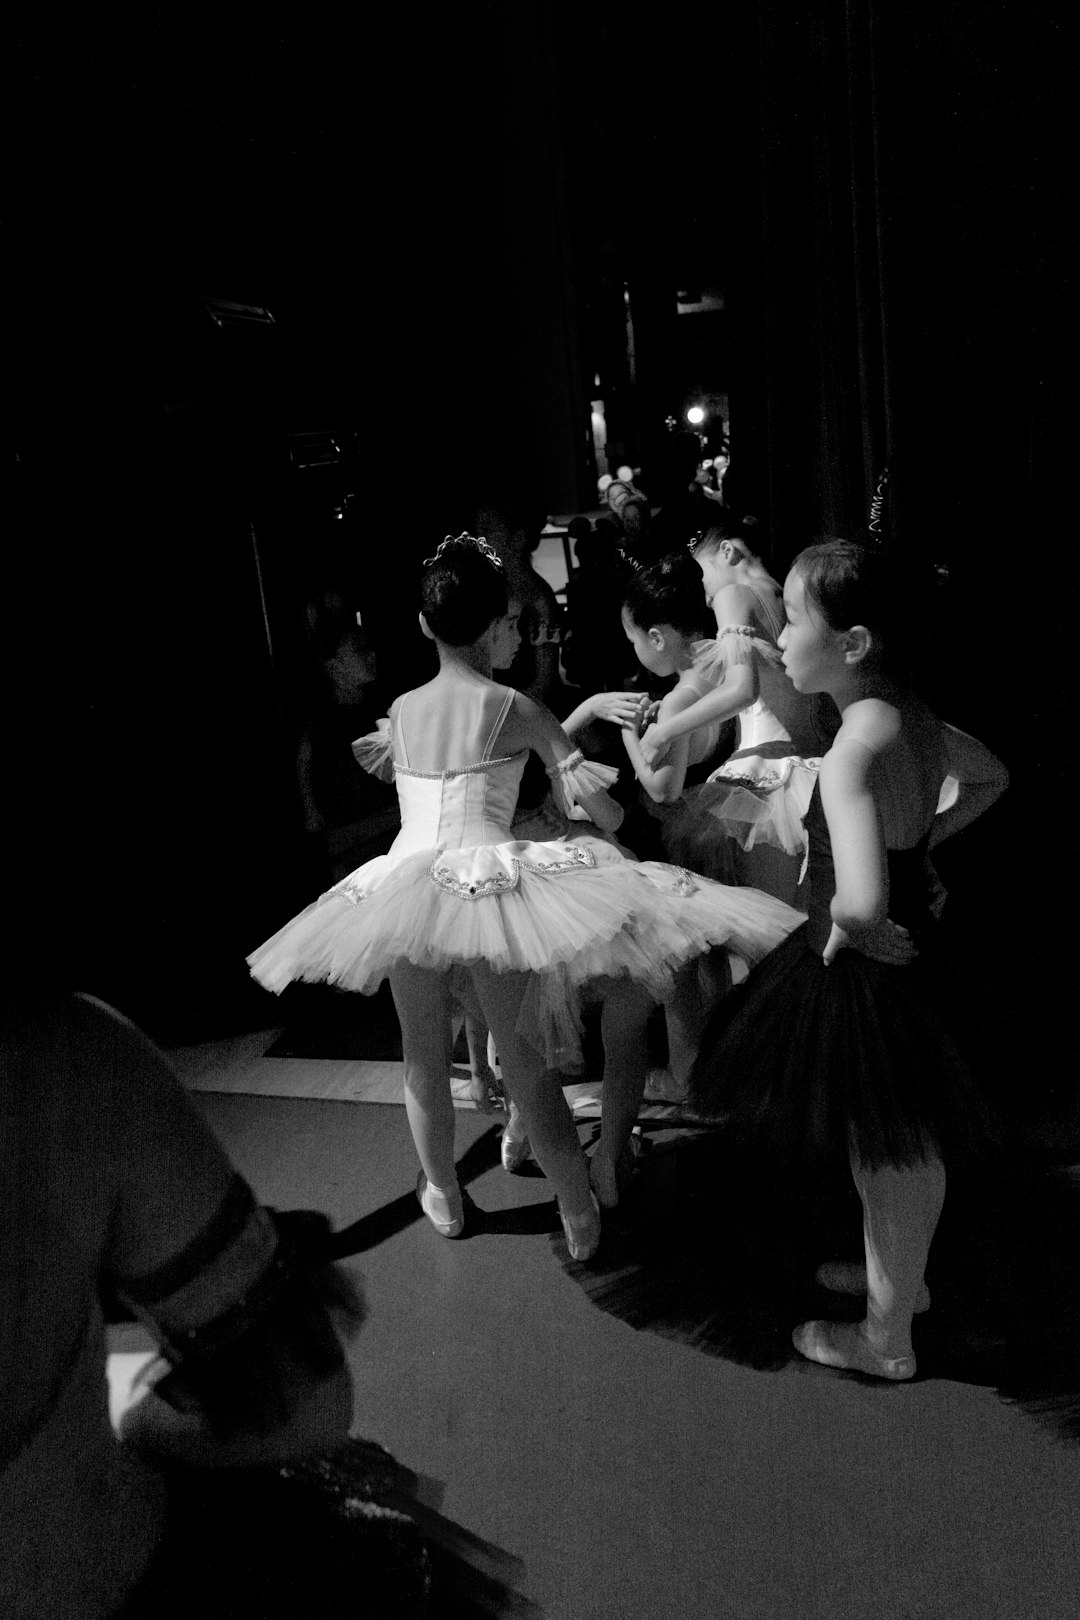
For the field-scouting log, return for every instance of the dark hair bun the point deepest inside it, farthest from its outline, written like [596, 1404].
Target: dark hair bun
[463, 590]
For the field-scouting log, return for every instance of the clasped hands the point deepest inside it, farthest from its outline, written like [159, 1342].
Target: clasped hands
[627, 710]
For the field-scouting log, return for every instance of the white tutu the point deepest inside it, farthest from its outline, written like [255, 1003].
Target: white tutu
[564, 911]
[567, 913]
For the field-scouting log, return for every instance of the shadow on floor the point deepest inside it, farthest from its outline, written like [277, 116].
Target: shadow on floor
[711, 1249]
[480, 1157]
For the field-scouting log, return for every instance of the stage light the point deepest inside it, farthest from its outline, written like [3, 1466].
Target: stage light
[695, 415]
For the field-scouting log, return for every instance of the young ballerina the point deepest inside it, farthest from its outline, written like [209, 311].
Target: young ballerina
[849, 1038]
[760, 794]
[664, 613]
[459, 909]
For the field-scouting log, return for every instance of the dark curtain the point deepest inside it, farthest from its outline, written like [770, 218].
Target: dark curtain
[906, 300]
[910, 254]
[824, 330]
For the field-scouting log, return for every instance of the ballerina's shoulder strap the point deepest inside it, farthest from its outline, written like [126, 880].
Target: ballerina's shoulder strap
[375, 752]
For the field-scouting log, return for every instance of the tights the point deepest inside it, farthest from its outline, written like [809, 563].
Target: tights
[424, 998]
[901, 1206]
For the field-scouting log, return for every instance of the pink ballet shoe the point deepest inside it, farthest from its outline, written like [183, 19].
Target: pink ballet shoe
[582, 1231]
[844, 1344]
[849, 1277]
[514, 1148]
[445, 1211]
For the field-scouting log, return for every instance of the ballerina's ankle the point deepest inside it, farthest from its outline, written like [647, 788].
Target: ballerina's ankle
[582, 1230]
[443, 1206]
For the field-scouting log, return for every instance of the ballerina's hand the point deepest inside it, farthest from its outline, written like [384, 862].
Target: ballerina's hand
[654, 746]
[620, 708]
[883, 942]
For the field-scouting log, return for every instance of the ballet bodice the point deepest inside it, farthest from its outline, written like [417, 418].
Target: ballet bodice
[910, 882]
[468, 803]
[464, 812]
[457, 809]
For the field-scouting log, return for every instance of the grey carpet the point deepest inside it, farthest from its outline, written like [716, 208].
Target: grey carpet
[693, 1467]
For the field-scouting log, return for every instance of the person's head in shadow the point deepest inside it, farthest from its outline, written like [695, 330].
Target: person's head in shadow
[338, 647]
[639, 543]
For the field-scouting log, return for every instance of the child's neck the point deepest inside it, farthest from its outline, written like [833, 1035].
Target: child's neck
[859, 687]
[468, 661]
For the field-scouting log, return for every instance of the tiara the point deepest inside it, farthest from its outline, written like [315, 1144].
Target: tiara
[470, 542]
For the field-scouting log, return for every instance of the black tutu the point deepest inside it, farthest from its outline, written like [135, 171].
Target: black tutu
[807, 1061]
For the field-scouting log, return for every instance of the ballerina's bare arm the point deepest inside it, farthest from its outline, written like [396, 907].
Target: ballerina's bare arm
[860, 903]
[617, 708]
[981, 778]
[663, 783]
[530, 725]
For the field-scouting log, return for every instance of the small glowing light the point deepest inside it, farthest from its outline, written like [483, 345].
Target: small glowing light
[695, 415]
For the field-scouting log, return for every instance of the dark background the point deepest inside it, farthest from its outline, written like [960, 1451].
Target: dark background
[442, 207]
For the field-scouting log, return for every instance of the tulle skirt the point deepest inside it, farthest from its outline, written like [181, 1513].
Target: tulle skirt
[568, 915]
[759, 800]
[807, 1061]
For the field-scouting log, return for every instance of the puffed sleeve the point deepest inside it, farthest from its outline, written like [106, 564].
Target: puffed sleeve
[375, 752]
[575, 778]
[736, 644]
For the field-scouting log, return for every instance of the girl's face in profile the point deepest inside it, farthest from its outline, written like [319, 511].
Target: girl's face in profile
[505, 641]
[811, 649]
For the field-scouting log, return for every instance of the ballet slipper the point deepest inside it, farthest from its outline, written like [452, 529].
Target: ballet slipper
[844, 1344]
[603, 1180]
[582, 1231]
[849, 1277]
[444, 1209]
[610, 1181]
[514, 1148]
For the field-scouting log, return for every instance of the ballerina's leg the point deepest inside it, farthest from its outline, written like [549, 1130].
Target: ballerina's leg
[901, 1206]
[537, 1093]
[424, 1006]
[698, 986]
[624, 1018]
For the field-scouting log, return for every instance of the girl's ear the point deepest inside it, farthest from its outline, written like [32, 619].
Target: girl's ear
[656, 636]
[859, 643]
[425, 627]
